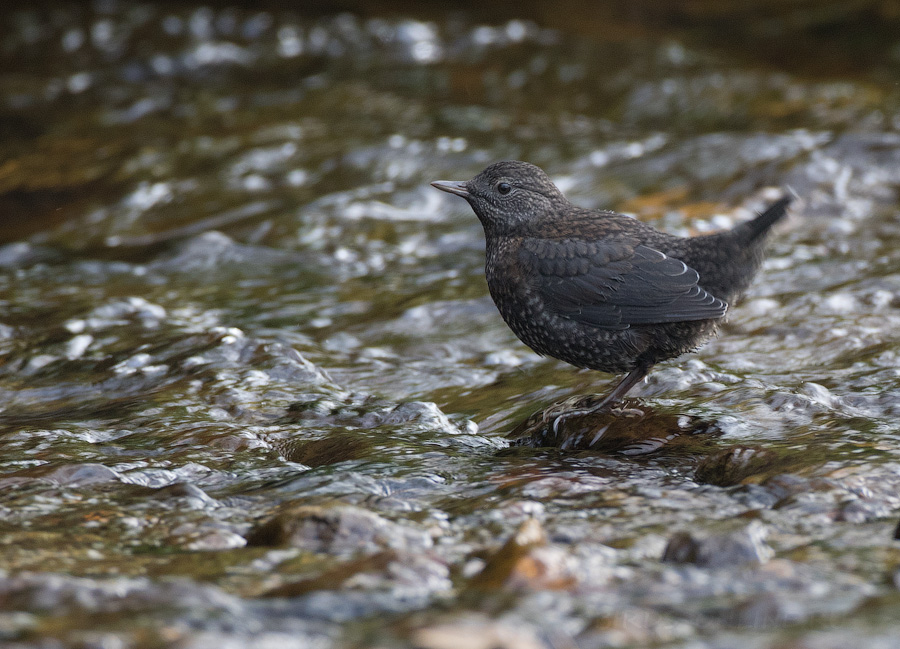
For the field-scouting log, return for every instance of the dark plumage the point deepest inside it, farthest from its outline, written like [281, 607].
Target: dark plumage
[598, 289]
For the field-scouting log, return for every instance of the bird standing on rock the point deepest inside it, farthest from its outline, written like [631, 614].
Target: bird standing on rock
[598, 289]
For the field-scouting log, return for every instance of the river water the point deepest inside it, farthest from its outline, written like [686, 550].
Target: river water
[253, 391]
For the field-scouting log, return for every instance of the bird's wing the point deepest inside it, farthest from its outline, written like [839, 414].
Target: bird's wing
[616, 284]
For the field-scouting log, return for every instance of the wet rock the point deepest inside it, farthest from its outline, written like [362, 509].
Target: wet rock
[765, 610]
[348, 604]
[477, 632]
[288, 365]
[746, 546]
[355, 411]
[401, 573]
[80, 475]
[306, 635]
[632, 628]
[253, 379]
[526, 562]
[338, 530]
[735, 465]
[850, 493]
[189, 496]
[209, 539]
[337, 447]
[787, 485]
[631, 428]
[859, 511]
[421, 412]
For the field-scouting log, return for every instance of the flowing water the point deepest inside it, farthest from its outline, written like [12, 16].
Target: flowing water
[253, 391]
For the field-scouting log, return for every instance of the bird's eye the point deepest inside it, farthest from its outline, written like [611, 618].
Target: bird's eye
[504, 188]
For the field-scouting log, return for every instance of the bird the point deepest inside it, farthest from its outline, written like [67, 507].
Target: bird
[598, 289]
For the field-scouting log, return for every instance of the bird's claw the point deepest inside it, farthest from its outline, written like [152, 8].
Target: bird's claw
[603, 406]
[556, 420]
[563, 416]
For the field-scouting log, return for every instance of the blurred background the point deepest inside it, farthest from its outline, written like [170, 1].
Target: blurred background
[253, 391]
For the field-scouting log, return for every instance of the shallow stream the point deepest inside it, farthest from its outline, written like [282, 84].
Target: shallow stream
[253, 391]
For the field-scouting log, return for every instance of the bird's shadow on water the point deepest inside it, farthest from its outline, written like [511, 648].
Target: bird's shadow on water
[630, 427]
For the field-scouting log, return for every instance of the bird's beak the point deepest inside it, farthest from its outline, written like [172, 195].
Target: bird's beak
[452, 187]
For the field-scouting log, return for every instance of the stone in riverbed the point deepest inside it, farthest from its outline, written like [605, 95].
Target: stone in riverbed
[627, 430]
[402, 573]
[337, 447]
[339, 529]
[71, 476]
[477, 632]
[733, 466]
[745, 546]
[526, 562]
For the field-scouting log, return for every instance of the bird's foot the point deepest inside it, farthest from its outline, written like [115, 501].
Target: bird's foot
[578, 412]
[618, 409]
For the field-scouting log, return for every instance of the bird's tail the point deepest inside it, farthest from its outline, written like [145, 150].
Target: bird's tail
[758, 227]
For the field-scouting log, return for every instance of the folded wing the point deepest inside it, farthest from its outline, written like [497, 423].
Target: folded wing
[616, 284]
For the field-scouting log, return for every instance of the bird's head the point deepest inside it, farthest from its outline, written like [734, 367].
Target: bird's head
[508, 196]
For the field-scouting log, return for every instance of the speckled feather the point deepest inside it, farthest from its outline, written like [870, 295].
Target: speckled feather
[598, 289]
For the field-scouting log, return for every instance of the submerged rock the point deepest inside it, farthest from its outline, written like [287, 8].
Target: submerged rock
[765, 610]
[206, 539]
[628, 430]
[187, 495]
[63, 475]
[735, 465]
[406, 575]
[632, 628]
[338, 447]
[477, 632]
[526, 562]
[339, 530]
[720, 550]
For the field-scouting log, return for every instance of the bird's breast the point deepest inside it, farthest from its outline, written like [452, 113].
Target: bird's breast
[513, 287]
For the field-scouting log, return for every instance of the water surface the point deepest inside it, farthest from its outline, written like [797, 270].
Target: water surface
[253, 388]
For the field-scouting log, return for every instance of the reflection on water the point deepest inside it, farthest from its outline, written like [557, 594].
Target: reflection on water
[253, 389]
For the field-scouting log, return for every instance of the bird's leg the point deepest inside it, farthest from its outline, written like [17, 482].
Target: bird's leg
[629, 381]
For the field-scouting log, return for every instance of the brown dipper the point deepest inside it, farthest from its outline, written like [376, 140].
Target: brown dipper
[598, 289]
